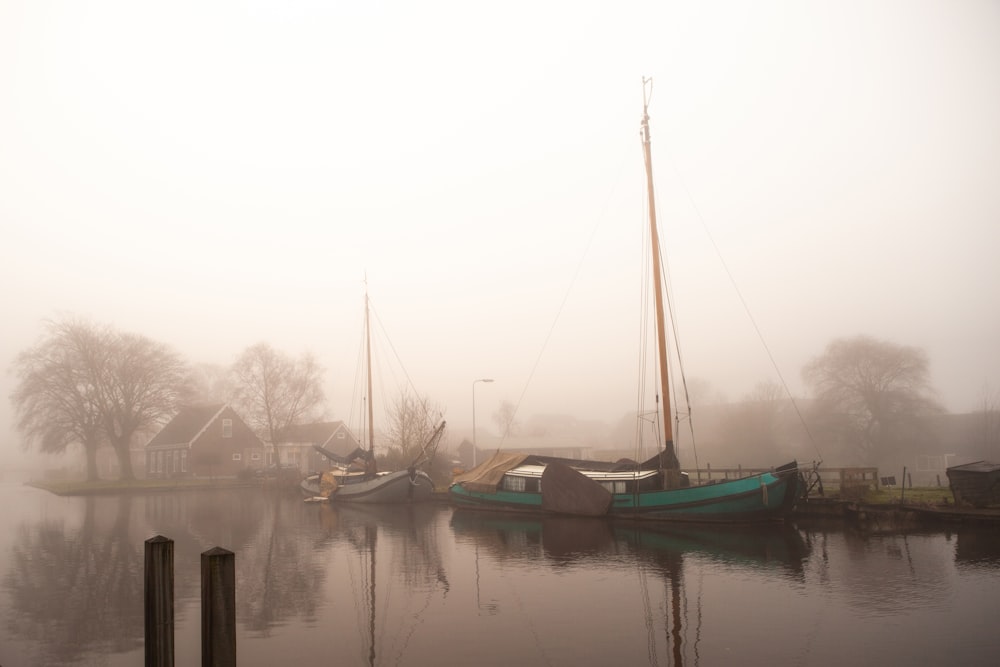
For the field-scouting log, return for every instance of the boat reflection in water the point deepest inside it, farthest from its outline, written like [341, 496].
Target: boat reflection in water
[571, 539]
[652, 556]
[389, 545]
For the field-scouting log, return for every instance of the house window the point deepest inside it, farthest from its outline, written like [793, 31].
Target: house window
[255, 456]
[184, 460]
[177, 461]
[341, 435]
[152, 462]
[227, 428]
[159, 461]
[237, 456]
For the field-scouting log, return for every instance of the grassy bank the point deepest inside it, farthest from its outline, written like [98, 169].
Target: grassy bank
[933, 495]
[99, 487]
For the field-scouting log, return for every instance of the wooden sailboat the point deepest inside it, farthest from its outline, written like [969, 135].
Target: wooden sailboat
[349, 482]
[655, 489]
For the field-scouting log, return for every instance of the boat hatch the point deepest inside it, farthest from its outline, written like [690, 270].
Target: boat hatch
[598, 475]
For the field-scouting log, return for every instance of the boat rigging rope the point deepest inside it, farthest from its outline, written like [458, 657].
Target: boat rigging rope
[602, 217]
[746, 308]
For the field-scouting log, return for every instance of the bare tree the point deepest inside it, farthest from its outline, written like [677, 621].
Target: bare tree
[987, 429]
[755, 425]
[207, 383]
[871, 392]
[272, 391]
[141, 382]
[412, 421]
[56, 400]
[89, 384]
[505, 419]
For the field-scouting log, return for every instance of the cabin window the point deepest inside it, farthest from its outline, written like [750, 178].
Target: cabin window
[184, 460]
[227, 428]
[513, 483]
[237, 456]
[615, 487]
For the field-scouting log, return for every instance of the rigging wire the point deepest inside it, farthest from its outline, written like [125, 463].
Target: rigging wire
[569, 289]
[680, 363]
[746, 308]
[646, 280]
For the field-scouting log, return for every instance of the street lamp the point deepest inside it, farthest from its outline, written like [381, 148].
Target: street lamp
[474, 417]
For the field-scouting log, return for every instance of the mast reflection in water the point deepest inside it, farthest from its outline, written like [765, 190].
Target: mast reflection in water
[646, 562]
[426, 584]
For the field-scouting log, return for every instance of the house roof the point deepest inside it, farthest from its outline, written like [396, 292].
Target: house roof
[187, 424]
[315, 434]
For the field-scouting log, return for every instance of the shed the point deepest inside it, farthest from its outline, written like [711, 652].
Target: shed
[976, 484]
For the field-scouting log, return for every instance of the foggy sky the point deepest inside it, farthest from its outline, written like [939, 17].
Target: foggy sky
[212, 175]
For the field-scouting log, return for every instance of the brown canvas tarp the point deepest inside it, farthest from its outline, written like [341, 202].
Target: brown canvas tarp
[569, 491]
[485, 477]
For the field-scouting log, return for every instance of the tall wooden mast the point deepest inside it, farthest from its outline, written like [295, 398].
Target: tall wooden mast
[670, 462]
[368, 365]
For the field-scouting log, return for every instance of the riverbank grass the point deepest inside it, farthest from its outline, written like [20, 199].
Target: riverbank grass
[111, 487]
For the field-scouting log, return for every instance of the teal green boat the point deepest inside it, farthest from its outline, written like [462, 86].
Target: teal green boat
[656, 489]
[545, 484]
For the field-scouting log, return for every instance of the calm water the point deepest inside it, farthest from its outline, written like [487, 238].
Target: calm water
[433, 586]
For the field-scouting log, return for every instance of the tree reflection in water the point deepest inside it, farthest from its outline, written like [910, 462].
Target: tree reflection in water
[77, 590]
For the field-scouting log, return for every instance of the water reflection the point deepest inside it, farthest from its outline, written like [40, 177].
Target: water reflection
[392, 546]
[77, 589]
[667, 562]
[978, 548]
[427, 584]
[263, 529]
[564, 541]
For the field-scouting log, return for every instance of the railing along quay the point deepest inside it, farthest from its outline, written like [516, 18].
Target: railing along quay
[838, 480]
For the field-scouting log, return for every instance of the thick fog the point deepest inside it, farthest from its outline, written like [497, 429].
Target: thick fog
[215, 175]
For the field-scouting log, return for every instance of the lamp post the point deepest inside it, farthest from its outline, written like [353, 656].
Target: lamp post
[474, 417]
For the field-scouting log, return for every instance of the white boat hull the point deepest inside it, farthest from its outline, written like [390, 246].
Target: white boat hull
[394, 487]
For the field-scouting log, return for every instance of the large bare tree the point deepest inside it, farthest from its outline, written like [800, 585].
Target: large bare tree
[871, 393]
[88, 384]
[56, 400]
[142, 381]
[273, 391]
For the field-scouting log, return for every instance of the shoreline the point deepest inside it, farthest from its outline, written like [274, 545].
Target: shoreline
[870, 516]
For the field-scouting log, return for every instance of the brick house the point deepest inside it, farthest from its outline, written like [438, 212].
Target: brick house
[295, 445]
[204, 441]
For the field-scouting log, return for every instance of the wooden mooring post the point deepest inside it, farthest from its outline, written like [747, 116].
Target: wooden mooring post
[158, 599]
[218, 608]
[218, 605]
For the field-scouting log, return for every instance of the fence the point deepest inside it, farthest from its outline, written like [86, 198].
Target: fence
[845, 481]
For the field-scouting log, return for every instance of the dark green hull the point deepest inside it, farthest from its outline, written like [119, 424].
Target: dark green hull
[766, 497]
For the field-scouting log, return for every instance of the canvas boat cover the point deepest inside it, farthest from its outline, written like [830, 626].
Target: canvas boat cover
[486, 477]
[567, 491]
